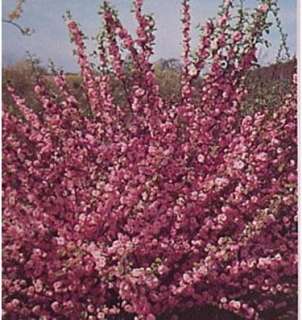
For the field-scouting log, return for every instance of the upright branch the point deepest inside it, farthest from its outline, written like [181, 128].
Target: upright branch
[186, 89]
[90, 81]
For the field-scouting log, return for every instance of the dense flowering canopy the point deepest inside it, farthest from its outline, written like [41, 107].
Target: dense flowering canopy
[146, 207]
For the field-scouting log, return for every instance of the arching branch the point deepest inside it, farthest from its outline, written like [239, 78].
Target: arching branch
[24, 31]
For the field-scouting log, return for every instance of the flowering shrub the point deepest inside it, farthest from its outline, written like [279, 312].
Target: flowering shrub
[147, 207]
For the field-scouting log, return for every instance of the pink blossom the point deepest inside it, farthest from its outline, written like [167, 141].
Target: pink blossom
[262, 156]
[237, 36]
[264, 7]
[201, 158]
[150, 316]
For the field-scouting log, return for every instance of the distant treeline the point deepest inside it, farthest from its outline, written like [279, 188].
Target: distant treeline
[266, 85]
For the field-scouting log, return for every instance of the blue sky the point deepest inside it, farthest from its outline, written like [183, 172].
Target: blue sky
[51, 40]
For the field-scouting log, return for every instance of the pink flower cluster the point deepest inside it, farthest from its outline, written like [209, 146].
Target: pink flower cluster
[146, 207]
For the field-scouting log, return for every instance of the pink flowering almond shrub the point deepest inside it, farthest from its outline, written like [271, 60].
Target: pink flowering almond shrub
[143, 208]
